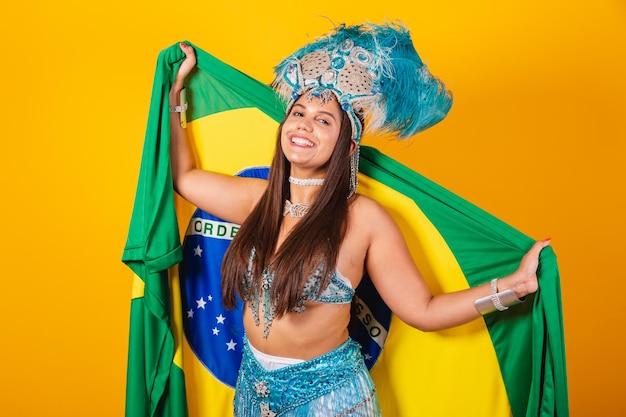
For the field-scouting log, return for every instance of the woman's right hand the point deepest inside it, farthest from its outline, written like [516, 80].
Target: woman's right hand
[186, 67]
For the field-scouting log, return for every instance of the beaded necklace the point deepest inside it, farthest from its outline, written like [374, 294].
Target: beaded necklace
[306, 181]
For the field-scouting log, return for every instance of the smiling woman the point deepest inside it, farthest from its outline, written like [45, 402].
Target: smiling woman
[309, 135]
[307, 223]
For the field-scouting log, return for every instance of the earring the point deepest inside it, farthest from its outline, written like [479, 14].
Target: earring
[354, 171]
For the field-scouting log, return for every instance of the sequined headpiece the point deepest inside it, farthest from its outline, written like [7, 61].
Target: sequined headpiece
[372, 70]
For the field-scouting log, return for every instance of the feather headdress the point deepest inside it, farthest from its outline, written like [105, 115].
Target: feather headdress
[372, 70]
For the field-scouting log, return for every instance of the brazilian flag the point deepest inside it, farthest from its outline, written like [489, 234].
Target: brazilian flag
[184, 348]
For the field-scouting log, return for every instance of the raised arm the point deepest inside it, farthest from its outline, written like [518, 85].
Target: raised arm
[401, 285]
[226, 196]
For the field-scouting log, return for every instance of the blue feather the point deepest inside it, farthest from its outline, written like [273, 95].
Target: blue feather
[405, 99]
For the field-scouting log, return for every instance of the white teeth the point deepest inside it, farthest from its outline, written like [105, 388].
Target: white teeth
[301, 141]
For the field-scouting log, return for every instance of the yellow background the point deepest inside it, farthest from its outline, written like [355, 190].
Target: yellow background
[535, 137]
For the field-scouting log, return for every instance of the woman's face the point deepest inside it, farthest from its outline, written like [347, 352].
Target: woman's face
[310, 133]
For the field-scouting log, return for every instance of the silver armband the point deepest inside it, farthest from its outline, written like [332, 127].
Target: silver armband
[182, 108]
[178, 109]
[496, 300]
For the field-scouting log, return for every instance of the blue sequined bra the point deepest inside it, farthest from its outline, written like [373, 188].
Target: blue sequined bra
[338, 291]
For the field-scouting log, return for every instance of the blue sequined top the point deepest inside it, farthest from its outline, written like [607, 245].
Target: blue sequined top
[338, 291]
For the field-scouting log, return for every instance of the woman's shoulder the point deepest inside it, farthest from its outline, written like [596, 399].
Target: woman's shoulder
[368, 221]
[366, 209]
[365, 202]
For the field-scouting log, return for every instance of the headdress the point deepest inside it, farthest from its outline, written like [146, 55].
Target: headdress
[371, 69]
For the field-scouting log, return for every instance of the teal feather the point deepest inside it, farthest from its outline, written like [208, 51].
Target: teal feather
[405, 99]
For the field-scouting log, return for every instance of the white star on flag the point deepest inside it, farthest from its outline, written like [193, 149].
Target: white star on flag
[220, 319]
[197, 251]
[216, 331]
[190, 314]
[201, 303]
[231, 345]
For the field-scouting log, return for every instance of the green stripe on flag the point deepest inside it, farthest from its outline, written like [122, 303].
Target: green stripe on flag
[155, 385]
[217, 87]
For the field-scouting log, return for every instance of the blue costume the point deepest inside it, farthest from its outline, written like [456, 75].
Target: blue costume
[334, 384]
[338, 291]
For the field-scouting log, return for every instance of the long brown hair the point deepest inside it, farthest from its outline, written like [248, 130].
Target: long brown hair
[313, 243]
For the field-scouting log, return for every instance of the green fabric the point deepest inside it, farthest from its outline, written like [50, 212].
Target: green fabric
[155, 386]
[212, 87]
[153, 245]
[528, 339]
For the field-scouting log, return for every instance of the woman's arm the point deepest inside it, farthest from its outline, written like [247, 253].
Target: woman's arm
[225, 196]
[404, 290]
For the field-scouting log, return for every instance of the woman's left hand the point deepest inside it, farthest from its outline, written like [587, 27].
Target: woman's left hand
[524, 280]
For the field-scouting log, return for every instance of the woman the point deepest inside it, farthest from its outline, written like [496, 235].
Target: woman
[307, 237]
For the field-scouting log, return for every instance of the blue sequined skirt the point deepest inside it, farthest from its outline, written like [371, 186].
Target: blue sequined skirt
[334, 384]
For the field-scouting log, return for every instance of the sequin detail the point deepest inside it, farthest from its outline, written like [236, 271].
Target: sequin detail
[338, 291]
[337, 382]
